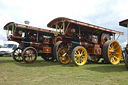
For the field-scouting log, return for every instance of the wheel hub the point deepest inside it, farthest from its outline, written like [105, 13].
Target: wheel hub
[19, 54]
[78, 56]
[113, 52]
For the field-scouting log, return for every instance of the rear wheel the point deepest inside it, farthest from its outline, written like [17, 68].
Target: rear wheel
[63, 56]
[29, 55]
[17, 54]
[79, 55]
[112, 52]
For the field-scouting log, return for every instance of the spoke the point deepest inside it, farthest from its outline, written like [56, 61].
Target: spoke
[62, 51]
[117, 53]
[116, 47]
[18, 50]
[82, 56]
[82, 52]
[114, 44]
[31, 58]
[75, 56]
[82, 59]
[109, 53]
[78, 52]
[115, 57]
[28, 58]
[18, 57]
[110, 50]
[21, 58]
[31, 52]
[15, 54]
[110, 47]
[60, 54]
[78, 61]
[112, 59]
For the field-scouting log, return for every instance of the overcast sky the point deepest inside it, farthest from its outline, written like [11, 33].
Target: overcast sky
[104, 13]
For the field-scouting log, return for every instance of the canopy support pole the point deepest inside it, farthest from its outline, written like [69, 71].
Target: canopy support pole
[127, 33]
[118, 37]
[113, 36]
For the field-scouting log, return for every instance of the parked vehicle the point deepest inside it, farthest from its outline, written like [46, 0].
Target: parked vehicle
[82, 42]
[124, 23]
[8, 48]
[33, 42]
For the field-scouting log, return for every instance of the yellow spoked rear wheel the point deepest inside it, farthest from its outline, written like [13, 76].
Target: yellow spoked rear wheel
[79, 55]
[63, 56]
[112, 52]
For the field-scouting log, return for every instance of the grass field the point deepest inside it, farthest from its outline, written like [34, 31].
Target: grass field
[52, 73]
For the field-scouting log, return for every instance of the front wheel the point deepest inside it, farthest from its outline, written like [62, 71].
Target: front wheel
[29, 55]
[63, 56]
[79, 55]
[17, 55]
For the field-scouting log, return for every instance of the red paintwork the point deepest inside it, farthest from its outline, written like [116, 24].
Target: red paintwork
[97, 51]
[94, 51]
[46, 49]
[90, 50]
[83, 43]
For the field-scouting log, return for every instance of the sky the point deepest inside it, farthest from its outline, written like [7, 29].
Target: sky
[104, 13]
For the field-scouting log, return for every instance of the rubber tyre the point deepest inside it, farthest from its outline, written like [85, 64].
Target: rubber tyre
[81, 57]
[55, 49]
[112, 52]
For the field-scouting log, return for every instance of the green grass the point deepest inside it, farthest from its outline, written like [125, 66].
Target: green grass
[52, 73]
